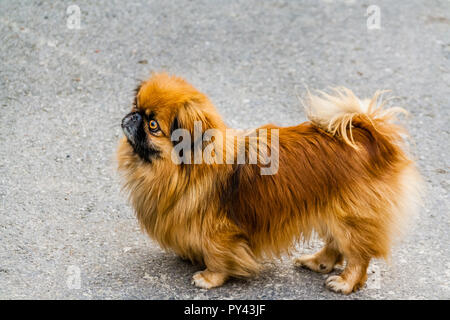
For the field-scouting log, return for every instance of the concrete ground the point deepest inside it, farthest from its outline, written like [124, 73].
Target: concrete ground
[66, 230]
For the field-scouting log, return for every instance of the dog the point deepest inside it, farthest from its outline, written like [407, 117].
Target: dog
[343, 175]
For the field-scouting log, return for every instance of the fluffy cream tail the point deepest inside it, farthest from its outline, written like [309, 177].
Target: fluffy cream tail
[335, 112]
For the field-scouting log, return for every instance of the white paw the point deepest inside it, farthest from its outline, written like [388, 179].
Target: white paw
[338, 284]
[200, 281]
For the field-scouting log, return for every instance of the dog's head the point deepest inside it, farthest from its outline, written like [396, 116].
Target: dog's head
[162, 105]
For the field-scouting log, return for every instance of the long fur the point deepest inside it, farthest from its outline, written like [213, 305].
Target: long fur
[343, 175]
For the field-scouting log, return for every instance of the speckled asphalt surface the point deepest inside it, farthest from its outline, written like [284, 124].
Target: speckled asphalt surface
[64, 91]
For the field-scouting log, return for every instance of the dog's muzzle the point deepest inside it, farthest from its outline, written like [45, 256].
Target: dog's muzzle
[130, 125]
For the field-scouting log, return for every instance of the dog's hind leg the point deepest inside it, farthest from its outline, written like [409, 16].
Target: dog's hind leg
[322, 261]
[351, 279]
[359, 240]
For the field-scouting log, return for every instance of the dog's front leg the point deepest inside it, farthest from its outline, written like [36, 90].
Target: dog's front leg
[208, 279]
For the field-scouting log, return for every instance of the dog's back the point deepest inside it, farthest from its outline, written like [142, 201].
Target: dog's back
[344, 175]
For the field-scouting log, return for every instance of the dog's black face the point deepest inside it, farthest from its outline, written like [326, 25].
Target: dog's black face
[133, 128]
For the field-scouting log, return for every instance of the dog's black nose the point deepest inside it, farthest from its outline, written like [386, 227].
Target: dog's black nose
[131, 120]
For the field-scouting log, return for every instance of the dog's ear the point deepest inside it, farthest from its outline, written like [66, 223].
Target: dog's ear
[192, 119]
[192, 123]
[175, 125]
[181, 154]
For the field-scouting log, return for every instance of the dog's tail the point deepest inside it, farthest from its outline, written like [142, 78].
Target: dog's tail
[341, 111]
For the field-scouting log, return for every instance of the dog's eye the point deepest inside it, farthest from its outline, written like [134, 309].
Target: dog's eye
[153, 125]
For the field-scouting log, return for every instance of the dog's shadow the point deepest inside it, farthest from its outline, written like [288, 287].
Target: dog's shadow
[150, 273]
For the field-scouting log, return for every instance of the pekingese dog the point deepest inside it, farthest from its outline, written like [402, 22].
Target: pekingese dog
[229, 198]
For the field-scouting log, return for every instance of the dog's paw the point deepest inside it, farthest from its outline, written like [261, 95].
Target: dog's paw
[310, 262]
[207, 279]
[199, 281]
[338, 284]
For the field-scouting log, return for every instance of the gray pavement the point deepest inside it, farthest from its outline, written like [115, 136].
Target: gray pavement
[64, 91]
